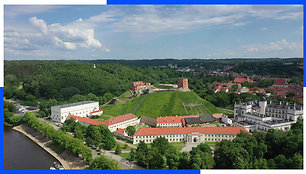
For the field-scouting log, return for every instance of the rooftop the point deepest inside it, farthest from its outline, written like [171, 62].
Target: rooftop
[120, 118]
[204, 118]
[75, 104]
[173, 119]
[86, 120]
[188, 130]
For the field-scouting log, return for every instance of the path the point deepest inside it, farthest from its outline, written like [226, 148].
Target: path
[139, 103]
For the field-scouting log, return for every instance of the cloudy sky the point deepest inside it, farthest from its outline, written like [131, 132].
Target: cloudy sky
[139, 32]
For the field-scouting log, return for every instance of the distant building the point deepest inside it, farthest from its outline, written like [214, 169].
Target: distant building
[280, 83]
[241, 80]
[182, 83]
[262, 115]
[139, 85]
[82, 109]
[187, 134]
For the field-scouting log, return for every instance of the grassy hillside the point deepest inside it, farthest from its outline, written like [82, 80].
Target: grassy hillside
[164, 104]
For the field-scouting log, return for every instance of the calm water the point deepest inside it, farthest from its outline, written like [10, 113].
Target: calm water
[20, 152]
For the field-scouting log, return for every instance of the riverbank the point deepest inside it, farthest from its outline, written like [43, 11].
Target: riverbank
[66, 158]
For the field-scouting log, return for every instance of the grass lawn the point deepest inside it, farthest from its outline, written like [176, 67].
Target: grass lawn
[121, 109]
[125, 155]
[163, 104]
[226, 111]
[170, 104]
[163, 86]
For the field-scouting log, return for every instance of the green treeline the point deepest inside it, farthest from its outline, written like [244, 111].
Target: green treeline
[76, 146]
[272, 150]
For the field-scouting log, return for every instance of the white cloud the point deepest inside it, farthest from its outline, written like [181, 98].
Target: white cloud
[281, 48]
[39, 35]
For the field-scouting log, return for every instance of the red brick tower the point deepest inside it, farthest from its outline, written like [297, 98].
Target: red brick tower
[182, 83]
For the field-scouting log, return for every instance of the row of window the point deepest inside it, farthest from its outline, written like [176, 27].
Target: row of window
[123, 123]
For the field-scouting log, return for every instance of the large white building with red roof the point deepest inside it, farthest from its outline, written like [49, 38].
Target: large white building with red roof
[122, 122]
[187, 134]
[113, 124]
[82, 109]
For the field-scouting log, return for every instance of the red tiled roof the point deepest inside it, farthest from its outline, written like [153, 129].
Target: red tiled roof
[96, 111]
[279, 82]
[173, 119]
[217, 115]
[240, 80]
[120, 131]
[86, 120]
[120, 118]
[188, 130]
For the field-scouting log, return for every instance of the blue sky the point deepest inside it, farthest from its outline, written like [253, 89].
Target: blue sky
[147, 32]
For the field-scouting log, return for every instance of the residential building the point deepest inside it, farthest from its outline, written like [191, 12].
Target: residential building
[280, 83]
[187, 134]
[241, 80]
[82, 109]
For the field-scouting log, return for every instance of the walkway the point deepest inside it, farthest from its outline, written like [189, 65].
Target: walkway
[139, 103]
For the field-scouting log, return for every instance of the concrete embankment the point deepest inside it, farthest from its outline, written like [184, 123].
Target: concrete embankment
[23, 129]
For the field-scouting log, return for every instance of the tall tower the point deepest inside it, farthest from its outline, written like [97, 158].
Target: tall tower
[263, 105]
[182, 83]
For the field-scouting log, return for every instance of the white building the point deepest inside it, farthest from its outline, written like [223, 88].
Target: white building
[262, 115]
[187, 134]
[82, 109]
[122, 122]
[227, 120]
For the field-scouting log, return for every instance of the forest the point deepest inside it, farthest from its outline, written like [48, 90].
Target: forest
[49, 83]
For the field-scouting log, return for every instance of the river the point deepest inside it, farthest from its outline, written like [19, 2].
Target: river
[20, 152]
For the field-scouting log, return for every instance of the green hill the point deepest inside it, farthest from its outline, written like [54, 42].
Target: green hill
[163, 104]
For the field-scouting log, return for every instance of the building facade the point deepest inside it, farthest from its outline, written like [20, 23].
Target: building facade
[122, 122]
[139, 85]
[182, 83]
[82, 109]
[262, 115]
[187, 134]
